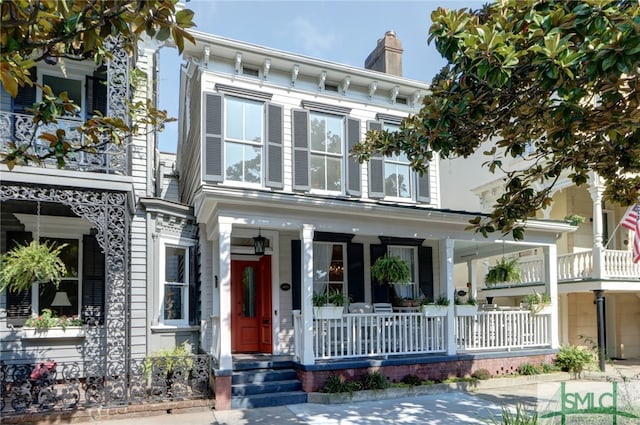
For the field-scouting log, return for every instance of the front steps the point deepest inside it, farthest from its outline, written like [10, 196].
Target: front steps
[265, 383]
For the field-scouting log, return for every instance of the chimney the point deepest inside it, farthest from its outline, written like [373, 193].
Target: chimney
[387, 56]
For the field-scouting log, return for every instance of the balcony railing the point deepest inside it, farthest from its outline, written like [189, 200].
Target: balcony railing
[619, 265]
[20, 129]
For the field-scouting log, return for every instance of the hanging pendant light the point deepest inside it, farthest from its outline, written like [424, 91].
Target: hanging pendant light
[259, 243]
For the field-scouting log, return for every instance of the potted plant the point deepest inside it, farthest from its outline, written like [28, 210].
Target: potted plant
[505, 270]
[324, 306]
[48, 325]
[574, 219]
[391, 270]
[538, 303]
[435, 309]
[25, 264]
[466, 308]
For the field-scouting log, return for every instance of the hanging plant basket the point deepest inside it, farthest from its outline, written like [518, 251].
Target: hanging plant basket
[33, 262]
[505, 270]
[391, 270]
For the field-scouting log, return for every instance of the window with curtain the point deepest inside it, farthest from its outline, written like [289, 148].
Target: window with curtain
[243, 146]
[409, 254]
[328, 267]
[69, 284]
[326, 153]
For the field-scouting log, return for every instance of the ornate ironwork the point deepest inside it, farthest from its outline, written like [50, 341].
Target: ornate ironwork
[20, 129]
[107, 211]
[69, 386]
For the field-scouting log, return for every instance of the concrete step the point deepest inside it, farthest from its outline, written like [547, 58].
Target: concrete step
[258, 376]
[268, 400]
[266, 387]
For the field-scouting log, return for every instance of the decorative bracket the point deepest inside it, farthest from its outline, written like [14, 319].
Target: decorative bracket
[372, 88]
[238, 63]
[265, 68]
[294, 74]
[394, 93]
[415, 98]
[205, 58]
[321, 80]
[344, 86]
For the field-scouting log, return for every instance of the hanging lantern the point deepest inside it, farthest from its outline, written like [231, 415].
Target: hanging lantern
[259, 243]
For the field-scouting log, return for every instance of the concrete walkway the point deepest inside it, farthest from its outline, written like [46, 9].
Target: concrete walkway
[476, 407]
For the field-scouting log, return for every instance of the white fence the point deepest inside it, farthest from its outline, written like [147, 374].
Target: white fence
[502, 330]
[619, 264]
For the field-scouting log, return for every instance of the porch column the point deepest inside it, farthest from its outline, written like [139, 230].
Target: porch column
[596, 190]
[307, 294]
[599, 295]
[446, 282]
[551, 287]
[224, 244]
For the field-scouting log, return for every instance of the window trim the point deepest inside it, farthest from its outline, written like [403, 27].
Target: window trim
[166, 242]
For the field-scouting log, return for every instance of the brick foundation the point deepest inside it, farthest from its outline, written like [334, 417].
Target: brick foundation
[314, 378]
[222, 391]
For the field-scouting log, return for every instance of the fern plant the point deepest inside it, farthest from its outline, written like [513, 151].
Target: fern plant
[33, 262]
[391, 270]
[505, 270]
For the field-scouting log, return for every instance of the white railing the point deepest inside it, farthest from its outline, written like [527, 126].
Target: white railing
[578, 265]
[380, 334]
[531, 270]
[619, 264]
[21, 130]
[502, 330]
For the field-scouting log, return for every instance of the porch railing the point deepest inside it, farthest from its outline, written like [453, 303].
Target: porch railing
[38, 387]
[502, 330]
[619, 264]
[20, 129]
[578, 265]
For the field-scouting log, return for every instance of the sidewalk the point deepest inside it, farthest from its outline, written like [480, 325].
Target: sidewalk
[447, 408]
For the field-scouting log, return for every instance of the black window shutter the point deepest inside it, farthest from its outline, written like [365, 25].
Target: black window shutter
[296, 274]
[274, 146]
[423, 187]
[212, 138]
[379, 290]
[425, 270]
[355, 258]
[376, 168]
[26, 96]
[18, 303]
[353, 166]
[93, 281]
[300, 133]
[96, 94]
[193, 285]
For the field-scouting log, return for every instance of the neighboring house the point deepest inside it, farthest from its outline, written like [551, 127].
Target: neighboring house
[263, 158]
[127, 252]
[594, 262]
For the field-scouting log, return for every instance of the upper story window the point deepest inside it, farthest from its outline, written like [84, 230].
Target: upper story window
[325, 156]
[397, 173]
[243, 146]
[174, 291]
[72, 85]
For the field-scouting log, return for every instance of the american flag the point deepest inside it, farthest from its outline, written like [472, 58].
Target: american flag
[631, 221]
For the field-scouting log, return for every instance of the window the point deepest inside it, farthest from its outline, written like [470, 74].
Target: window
[408, 254]
[176, 286]
[397, 173]
[325, 156]
[67, 294]
[243, 140]
[328, 268]
[72, 86]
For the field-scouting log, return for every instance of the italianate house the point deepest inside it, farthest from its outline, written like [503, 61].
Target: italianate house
[288, 219]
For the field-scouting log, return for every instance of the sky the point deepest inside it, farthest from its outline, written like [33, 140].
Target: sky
[334, 30]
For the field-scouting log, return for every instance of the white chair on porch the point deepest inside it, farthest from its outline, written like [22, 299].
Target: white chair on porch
[360, 308]
[382, 308]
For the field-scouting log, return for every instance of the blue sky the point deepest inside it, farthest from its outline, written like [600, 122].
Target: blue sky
[340, 31]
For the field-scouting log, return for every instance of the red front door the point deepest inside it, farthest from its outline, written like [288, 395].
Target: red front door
[251, 306]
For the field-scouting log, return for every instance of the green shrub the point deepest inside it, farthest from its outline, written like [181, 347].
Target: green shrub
[528, 369]
[375, 381]
[338, 384]
[548, 367]
[482, 374]
[574, 359]
[411, 380]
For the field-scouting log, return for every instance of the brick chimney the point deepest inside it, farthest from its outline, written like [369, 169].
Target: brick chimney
[387, 56]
